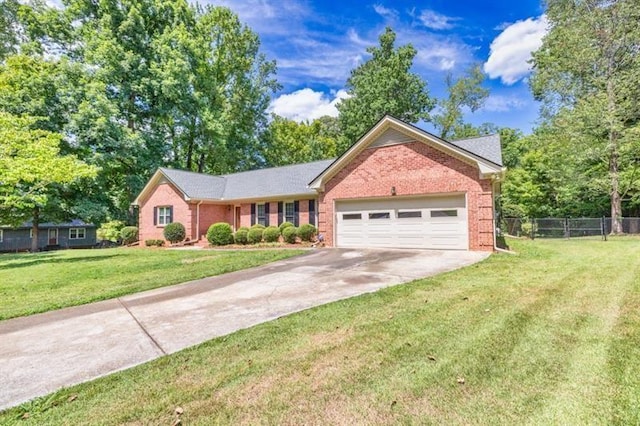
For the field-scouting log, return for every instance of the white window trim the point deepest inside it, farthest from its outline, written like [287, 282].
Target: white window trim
[293, 212]
[1, 235]
[166, 217]
[77, 237]
[264, 212]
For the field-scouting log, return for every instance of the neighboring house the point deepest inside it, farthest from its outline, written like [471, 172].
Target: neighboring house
[74, 234]
[397, 186]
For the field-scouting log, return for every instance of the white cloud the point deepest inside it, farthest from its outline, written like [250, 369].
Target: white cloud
[499, 103]
[307, 104]
[386, 12]
[511, 50]
[436, 21]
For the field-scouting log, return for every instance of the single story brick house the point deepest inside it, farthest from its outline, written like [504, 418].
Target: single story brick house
[73, 234]
[397, 186]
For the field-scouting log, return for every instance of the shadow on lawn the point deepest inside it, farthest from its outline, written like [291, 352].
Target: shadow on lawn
[49, 258]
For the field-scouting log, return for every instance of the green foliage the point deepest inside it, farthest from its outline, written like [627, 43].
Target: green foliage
[285, 225]
[174, 232]
[290, 234]
[240, 236]
[32, 170]
[271, 234]
[110, 230]
[383, 85]
[136, 85]
[466, 92]
[254, 235]
[586, 74]
[257, 225]
[289, 142]
[220, 234]
[154, 243]
[306, 232]
[129, 234]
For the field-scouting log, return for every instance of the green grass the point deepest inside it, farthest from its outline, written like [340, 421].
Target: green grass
[33, 283]
[548, 336]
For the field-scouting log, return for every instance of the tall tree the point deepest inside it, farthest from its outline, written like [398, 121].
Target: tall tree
[31, 171]
[145, 83]
[586, 72]
[467, 91]
[289, 142]
[383, 85]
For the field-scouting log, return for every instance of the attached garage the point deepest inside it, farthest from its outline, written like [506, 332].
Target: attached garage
[434, 222]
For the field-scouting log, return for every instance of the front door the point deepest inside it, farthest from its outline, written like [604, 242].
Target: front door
[53, 236]
[237, 221]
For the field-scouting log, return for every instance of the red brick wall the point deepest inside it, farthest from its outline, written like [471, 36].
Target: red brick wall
[414, 169]
[213, 213]
[165, 194]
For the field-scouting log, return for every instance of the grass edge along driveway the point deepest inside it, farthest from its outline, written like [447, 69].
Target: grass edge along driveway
[41, 282]
[549, 336]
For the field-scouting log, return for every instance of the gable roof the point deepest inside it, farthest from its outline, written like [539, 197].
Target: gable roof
[304, 179]
[274, 182]
[487, 159]
[71, 224]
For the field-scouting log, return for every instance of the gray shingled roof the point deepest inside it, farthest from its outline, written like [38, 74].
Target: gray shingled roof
[197, 185]
[290, 180]
[487, 147]
[272, 182]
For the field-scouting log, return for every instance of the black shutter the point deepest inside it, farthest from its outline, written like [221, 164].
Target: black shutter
[312, 212]
[170, 214]
[253, 214]
[296, 213]
[155, 215]
[266, 214]
[280, 213]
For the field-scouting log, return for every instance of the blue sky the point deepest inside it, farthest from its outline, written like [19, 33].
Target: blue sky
[316, 43]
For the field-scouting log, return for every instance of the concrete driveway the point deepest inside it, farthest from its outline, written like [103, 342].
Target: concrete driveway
[42, 353]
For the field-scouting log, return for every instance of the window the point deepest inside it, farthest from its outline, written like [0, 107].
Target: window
[384, 215]
[77, 233]
[409, 214]
[31, 233]
[1, 235]
[289, 212]
[444, 213]
[164, 216]
[351, 216]
[261, 214]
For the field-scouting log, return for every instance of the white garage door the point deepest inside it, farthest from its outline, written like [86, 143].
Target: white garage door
[428, 222]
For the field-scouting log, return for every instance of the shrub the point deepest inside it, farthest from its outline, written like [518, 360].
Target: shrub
[257, 225]
[220, 234]
[110, 230]
[241, 235]
[271, 234]
[152, 243]
[306, 232]
[254, 235]
[174, 232]
[129, 234]
[285, 225]
[289, 234]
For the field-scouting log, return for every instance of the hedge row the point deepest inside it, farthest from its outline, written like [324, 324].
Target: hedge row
[220, 234]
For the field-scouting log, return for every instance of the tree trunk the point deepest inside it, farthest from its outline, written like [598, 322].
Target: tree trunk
[34, 228]
[616, 199]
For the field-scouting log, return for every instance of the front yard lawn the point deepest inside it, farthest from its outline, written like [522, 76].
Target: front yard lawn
[548, 336]
[33, 283]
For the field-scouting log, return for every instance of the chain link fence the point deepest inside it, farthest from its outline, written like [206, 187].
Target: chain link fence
[553, 227]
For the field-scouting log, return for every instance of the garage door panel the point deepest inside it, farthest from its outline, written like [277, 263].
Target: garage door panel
[430, 222]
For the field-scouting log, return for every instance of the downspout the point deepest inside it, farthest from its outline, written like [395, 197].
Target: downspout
[198, 220]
